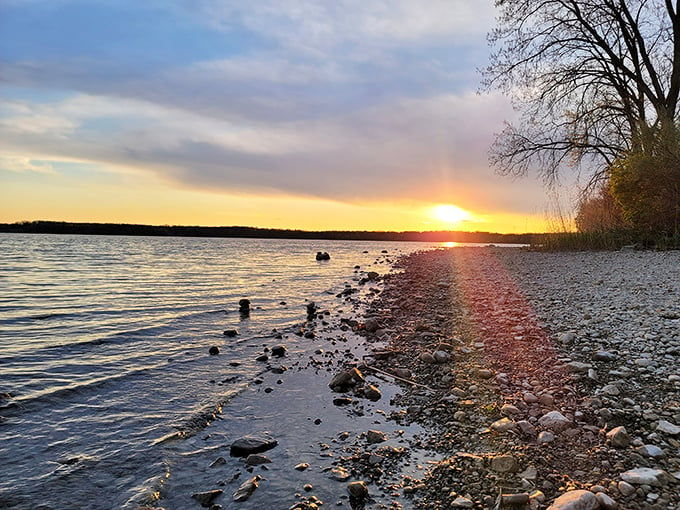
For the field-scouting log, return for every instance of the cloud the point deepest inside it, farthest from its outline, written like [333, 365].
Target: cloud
[22, 164]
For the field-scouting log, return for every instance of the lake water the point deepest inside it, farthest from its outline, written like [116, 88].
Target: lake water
[104, 348]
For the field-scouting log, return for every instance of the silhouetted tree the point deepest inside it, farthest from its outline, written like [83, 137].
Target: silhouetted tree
[588, 78]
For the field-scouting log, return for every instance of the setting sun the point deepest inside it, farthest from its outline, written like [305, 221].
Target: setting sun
[450, 214]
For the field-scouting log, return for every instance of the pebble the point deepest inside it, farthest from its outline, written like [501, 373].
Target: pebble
[461, 502]
[503, 425]
[504, 464]
[358, 490]
[606, 503]
[375, 436]
[545, 437]
[667, 427]
[625, 488]
[372, 393]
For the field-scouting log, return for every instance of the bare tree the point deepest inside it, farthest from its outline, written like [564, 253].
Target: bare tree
[587, 77]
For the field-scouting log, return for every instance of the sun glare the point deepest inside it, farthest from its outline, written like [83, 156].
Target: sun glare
[450, 214]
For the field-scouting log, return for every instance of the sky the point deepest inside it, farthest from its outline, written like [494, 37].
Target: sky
[315, 115]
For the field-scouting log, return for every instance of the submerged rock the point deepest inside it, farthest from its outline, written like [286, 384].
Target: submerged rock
[247, 445]
[206, 498]
[214, 350]
[247, 488]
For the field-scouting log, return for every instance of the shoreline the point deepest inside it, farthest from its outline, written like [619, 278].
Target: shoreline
[473, 351]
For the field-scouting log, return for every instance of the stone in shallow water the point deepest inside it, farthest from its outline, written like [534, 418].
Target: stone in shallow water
[247, 488]
[357, 490]
[576, 500]
[246, 445]
[375, 436]
[205, 498]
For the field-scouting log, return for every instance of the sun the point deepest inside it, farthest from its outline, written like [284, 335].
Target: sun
[450, 214]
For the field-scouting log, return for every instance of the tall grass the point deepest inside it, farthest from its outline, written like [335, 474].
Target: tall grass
[603, 240]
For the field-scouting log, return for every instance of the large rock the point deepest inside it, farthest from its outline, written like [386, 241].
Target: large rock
[247, 445]
[576, 500]
[357, 490]
[644, 476]
[554, 420]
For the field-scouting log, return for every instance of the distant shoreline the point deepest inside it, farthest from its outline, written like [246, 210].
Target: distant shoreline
[125, 229]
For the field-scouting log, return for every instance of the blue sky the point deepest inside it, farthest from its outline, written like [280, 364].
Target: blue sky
[348, 104]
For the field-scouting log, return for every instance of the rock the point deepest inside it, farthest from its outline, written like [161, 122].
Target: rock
[554, 420]
[527, 428]
[510, 410]
[578, 367]
[375, 436]
[485, 373]
[244, 306]
[340, 474]
[503, 425]
[461, 502]
[545, 437]
[279, 350]
[301, 466]
[246, 445]
[441, 356]
[529, 397]
[311, 309]
[255, 459]
[667, 427]
[219, 461]
[576, 500]
[426, 357]
[343, 380]
[652, 451]
[372, 276]
[618, 437]
[371, 325]
[403, 373]
[546, 399]
[230, 333]
[504, 464]
[604, 356]
[514, 499]
[372, 393]
[567, 338]
[357, 490]
[247, 488]
[322, 256]
[206, 498]
[606, 503]
[342, 401]
[625, 488]
[644, 476]
[214, 350]
[611, 389]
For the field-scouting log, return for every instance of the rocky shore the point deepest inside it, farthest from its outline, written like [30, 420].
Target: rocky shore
[485, 378]
[544, 380]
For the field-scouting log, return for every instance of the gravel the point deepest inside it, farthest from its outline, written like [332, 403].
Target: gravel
[521, 364]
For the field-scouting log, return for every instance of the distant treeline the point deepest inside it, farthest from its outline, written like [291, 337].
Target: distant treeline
[122, 229]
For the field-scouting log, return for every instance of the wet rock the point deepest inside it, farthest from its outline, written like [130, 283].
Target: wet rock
[618, 437]
[375, 436]
[340, 474]
[576, 500]
[206, 498]
[255, 459]
[244, 306]
[214, 350]
[346, 379]
[279, 350]
[247, 445]
[667, 427]
[372, 393]
[301, 466]
[247, 488]
[644, 476]
[342, 401]
[554, 420]
[219, 461]
[322, 256]
[230, 333]
[358, 490]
